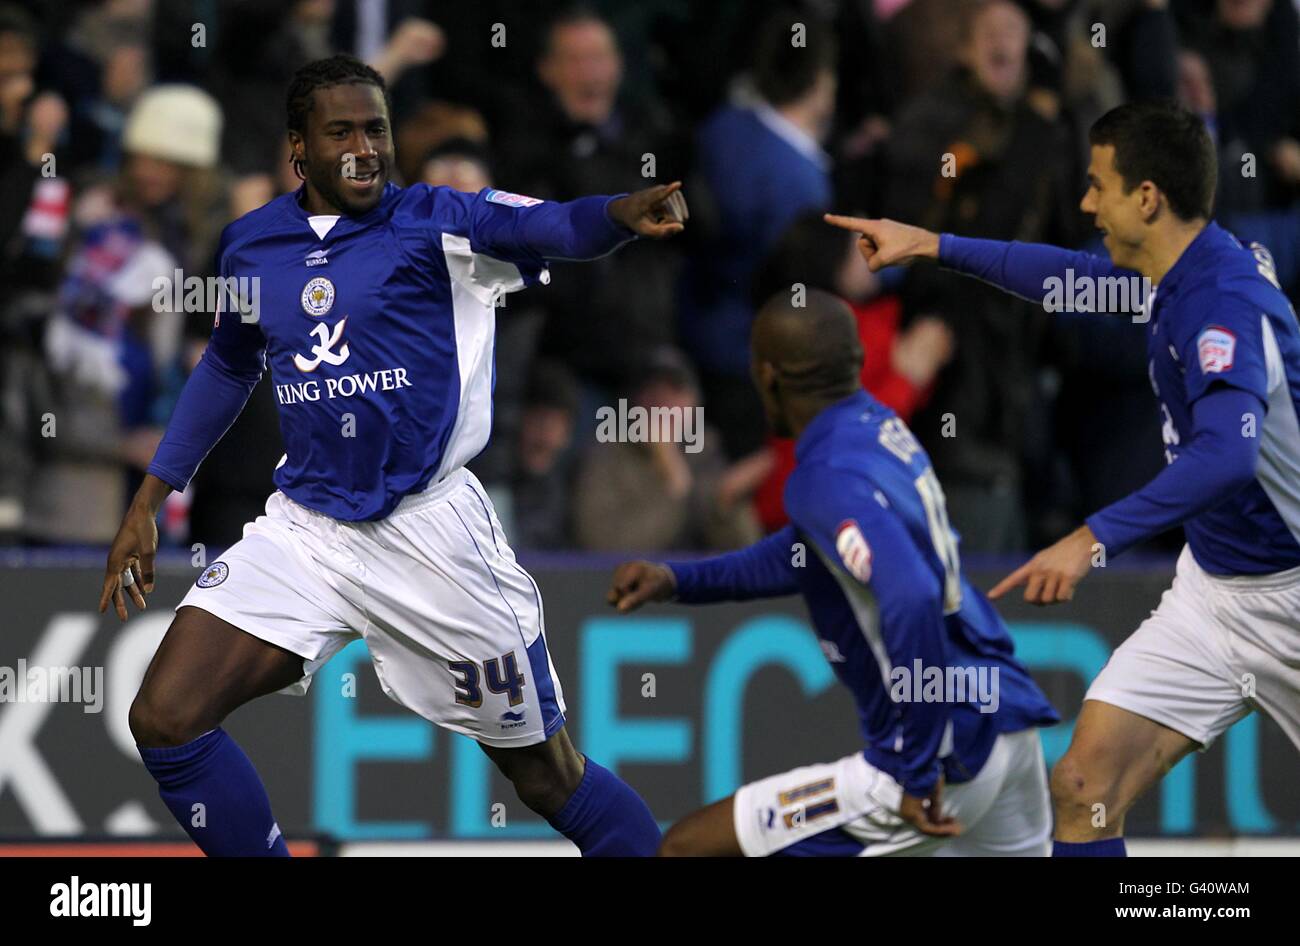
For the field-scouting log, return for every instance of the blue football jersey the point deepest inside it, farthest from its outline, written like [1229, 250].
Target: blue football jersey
[864, 494]
[870, 549]
[378, 331]
[1219, 317]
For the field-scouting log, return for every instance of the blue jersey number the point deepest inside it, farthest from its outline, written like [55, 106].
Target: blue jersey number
[502, 675]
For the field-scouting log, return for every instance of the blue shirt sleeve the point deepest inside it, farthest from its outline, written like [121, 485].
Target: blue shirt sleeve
[519, 229]
[1023, 269]
[1217, 462]
[1224, 345]
[213, 396]
[763, 570]
[876, 558]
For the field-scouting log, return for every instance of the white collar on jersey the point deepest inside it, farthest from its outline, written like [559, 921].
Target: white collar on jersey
[323, 223]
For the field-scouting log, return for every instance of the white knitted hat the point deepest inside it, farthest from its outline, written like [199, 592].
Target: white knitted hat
[180, 123]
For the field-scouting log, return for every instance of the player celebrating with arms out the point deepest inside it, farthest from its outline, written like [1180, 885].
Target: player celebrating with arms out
[376, 317]
[1224, 357]
[884, 587]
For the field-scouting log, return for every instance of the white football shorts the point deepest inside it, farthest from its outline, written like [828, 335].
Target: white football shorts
[1215, 649]
[453, 624]
[848, 809]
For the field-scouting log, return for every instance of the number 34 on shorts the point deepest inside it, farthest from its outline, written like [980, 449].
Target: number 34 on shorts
[501, 675]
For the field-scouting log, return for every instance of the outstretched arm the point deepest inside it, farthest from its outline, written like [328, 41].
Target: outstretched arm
[1028, 270]
[582, 229]
[763, 570]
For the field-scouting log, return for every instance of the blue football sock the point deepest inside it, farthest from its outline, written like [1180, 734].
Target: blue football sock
[212, 771]
[1107, 847]
[606, 818]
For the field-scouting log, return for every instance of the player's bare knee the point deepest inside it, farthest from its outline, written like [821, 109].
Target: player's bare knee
[1078, 785]
[156, 724]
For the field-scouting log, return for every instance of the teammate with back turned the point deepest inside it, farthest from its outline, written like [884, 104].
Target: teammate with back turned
[376, 316]
[953, 764]
[1224, 358]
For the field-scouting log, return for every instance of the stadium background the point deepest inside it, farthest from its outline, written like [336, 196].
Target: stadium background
[132, 131]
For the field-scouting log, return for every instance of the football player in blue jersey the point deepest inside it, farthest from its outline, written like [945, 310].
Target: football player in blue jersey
[953, 764]
[1223, 349]
[375, 315]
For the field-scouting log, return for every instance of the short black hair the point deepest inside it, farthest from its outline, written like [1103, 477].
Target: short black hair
[1166, 144]
[783, 72]
[341, 69]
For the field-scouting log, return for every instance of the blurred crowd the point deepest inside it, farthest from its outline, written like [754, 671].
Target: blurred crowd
[133, 131]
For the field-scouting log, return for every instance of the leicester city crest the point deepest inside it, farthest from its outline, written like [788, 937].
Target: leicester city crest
[213, 575]
[318, 296]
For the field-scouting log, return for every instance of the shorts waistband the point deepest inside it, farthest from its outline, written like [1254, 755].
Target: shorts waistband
[435, 492]
[1251, 584]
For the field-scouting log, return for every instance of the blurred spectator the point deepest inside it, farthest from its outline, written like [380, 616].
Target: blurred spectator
[575, 138]
[899, 365]
[658, 494]
[91, 406]
[433, 125]
[1252, 50]
[459, 163]
[542, 483]
[759, 163]
[112, 41]
[972, 157]
[34, 211]
[112, 161]
[169, 180]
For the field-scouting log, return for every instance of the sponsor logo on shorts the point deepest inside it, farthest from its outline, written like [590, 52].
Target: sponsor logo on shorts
[512, 720]
[213, 575]
[1216, 346]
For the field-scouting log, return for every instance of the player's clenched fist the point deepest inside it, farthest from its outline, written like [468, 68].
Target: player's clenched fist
[655, 212]
[888, 242]
[635, 583]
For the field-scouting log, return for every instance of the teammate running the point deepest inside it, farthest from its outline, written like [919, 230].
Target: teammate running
[1223, 352]
[376, 318]
[941, 699]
